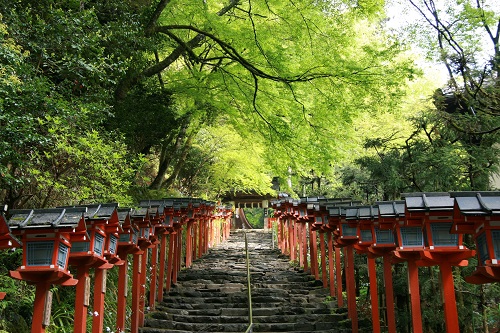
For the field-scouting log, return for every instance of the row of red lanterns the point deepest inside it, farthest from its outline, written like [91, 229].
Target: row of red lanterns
[423, 229]
[102, 236]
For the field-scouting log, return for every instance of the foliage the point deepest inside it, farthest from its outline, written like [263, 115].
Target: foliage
[51, 112]
[16, 308]
[453, 141]
[255, 217]
[262, 88]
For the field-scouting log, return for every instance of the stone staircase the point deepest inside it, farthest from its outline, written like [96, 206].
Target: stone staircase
[212, 295]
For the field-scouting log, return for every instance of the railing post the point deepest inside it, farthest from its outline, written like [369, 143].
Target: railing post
[249, 287]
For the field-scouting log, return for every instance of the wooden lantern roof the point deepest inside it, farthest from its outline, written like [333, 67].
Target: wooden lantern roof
[390, 212]
[473, 208]
[478, 213]
[421, 206]
[52, 218]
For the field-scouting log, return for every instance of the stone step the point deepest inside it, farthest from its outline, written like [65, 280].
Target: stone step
[241, 316]
[212, 295]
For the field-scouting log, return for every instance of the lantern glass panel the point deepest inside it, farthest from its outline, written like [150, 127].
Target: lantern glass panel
[124, 238]
[412, 236]
[366, 235]
[167, 220]
[39, 253]
[348, 231]
[482, 248]
[495, 234]
[441, 235]
[384, 236]
[302, 213]
[319, 219]
[80, 247]
[135, 236]
[112, 244]
[62, 256]
[98, 244]
[144, 232]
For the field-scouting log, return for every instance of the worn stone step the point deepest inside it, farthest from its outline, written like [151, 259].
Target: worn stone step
[212, 295]
[210, 326]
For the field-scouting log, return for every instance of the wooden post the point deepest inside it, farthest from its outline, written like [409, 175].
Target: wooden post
[81, 300]
[177, 255]
[189, 244]
[136, 284]
[41, 308]
[449, 301]
[161, 273]
[314, 252]
[122, 296]
[200, 235]
[304, 246]
[413, 286]
[338, 269]
[170, 262]
[208, 228]
[296, 239]
[195, 240]
[282, 233]
[142, 287]
[372, 274]
[290, 238]
[330, 265]
[154, 275]
[389, 293]
[323, 259]
[99, 293]
[351, 288]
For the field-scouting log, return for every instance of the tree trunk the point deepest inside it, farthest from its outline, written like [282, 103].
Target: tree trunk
[180, 162]
[167, 155]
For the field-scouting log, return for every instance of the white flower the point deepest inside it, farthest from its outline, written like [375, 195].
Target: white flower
[96, 314]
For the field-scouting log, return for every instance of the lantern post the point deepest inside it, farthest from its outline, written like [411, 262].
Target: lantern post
[335, 215]
[45, 237]
[127, 245]
[478, 214]
[432, 213]
[364, 218]
[346, 236]
[103, 224]
[392, 214]
[325, 204]
[140, 217]
[310, 219]
[317, 225]
[87, 251]
[157, 217]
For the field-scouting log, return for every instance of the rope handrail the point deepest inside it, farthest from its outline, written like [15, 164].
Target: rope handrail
[249, 287]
